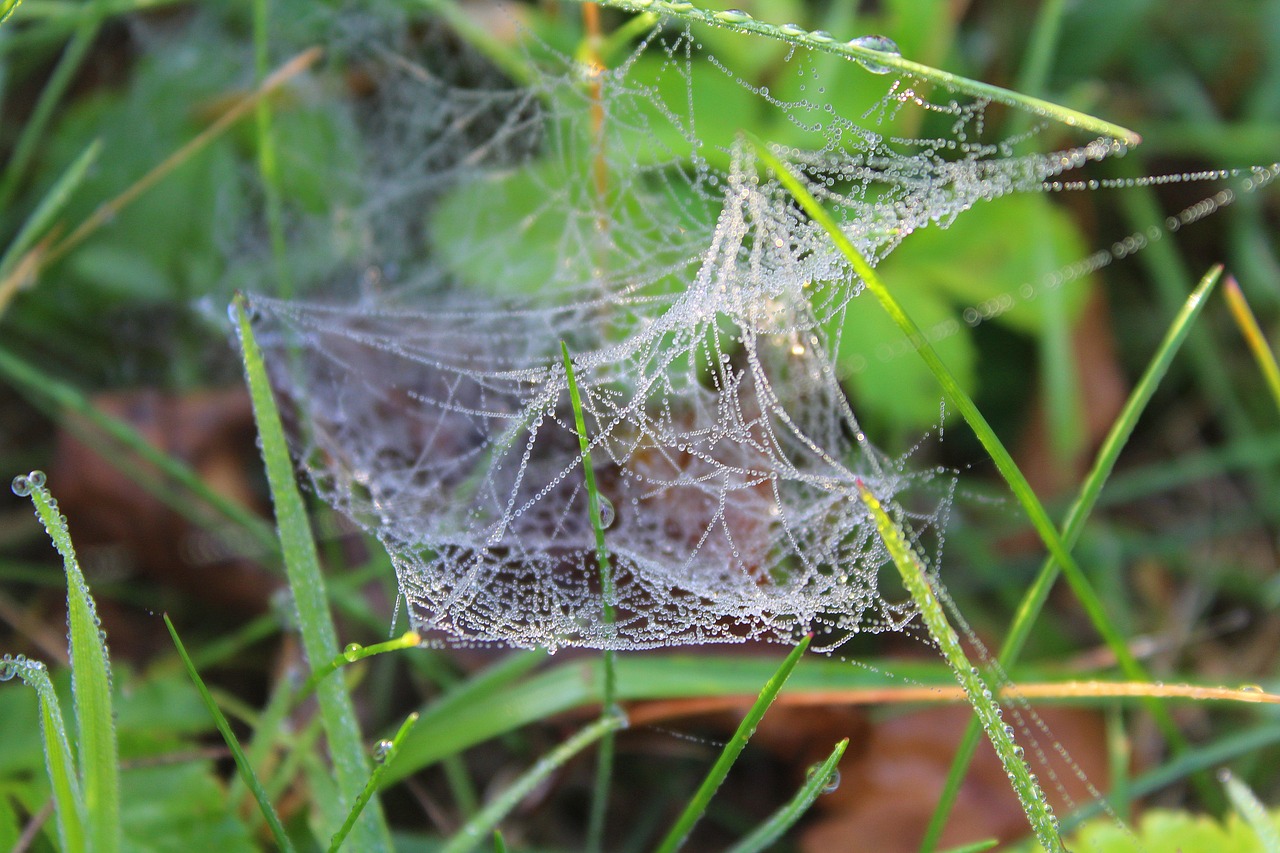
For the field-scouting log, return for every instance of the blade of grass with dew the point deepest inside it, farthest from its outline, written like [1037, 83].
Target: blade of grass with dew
[1073, 525]
[1252, 811]
[242, 763]
[68, 800]
[383, 752]
[702, 797]
[352, 653]
[604, 764]
[1018, 484]
[315, 622]
[35, 129]
[63, 397]
[1253, 336]
[471, 835]
[768, 833]
[743, 23]
[915, 578]
[90, 679]
[49, 206]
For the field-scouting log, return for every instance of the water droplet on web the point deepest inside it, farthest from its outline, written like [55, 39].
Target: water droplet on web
[880, 44]
[352, 652]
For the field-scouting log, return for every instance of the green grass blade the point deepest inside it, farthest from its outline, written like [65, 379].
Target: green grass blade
[34, 131]
[1036, 595]
[916, 579]
[742, 23]
[68, 801]
[1253, 336]
[961, 401]
[604, 765]
[694, 810]
[48, 208]
[41, 387]
[352, 653]
[90, 678]
[302, 565]
[768, 833]
[268, 159]
[384, 752]
[242, 763]
[7, 8]
[476, 829]
[1251, 809]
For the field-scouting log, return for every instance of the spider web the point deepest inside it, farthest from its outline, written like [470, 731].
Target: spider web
[602, 207]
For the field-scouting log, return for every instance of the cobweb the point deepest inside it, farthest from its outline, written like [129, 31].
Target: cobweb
[606, 207]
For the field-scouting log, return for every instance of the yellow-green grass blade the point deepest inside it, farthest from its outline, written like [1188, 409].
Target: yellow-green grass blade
[916, 579]
[702, 797]
[1036, 595]
[819, 781]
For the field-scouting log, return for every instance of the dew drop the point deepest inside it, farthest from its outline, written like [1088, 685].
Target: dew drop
[607, 512]
[352, 652]
[21, 485]
[382, 749]
[733, 16]
[792, 30]
[821, 36]
[833, 780]
[8, 668]
[880, 44]
[37, 480]
[1251, 688]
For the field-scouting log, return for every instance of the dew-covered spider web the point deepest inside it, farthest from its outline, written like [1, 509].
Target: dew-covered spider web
[604, 198]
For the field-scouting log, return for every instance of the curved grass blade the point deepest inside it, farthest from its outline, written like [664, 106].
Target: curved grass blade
[767, 834]
[242, 763]
[915, 578]
[693, 811]
[302, 565]
[352, 653]
[963, 403]
[1253, 336]
[383, 752]
[7, 8]
[744, 23]
[1073, 526]
[90, 679]
[68, 801]
[604, 765]
[482, 824]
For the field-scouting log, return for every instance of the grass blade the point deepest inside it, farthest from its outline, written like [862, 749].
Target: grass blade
[90, 678]
[68, 801]
[63, 398]
[383, 752]
[693, 811]
[916, 579]
[48, 208]
[1254, 337]
[961, 401]
[352, 653]
[7, 8]
[242, 763]
[302, 565]
[1251, 809]
[743, 23]
[604, 766]
[474, 832]
[768, 833]
[1073, 525]
[34, 131]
